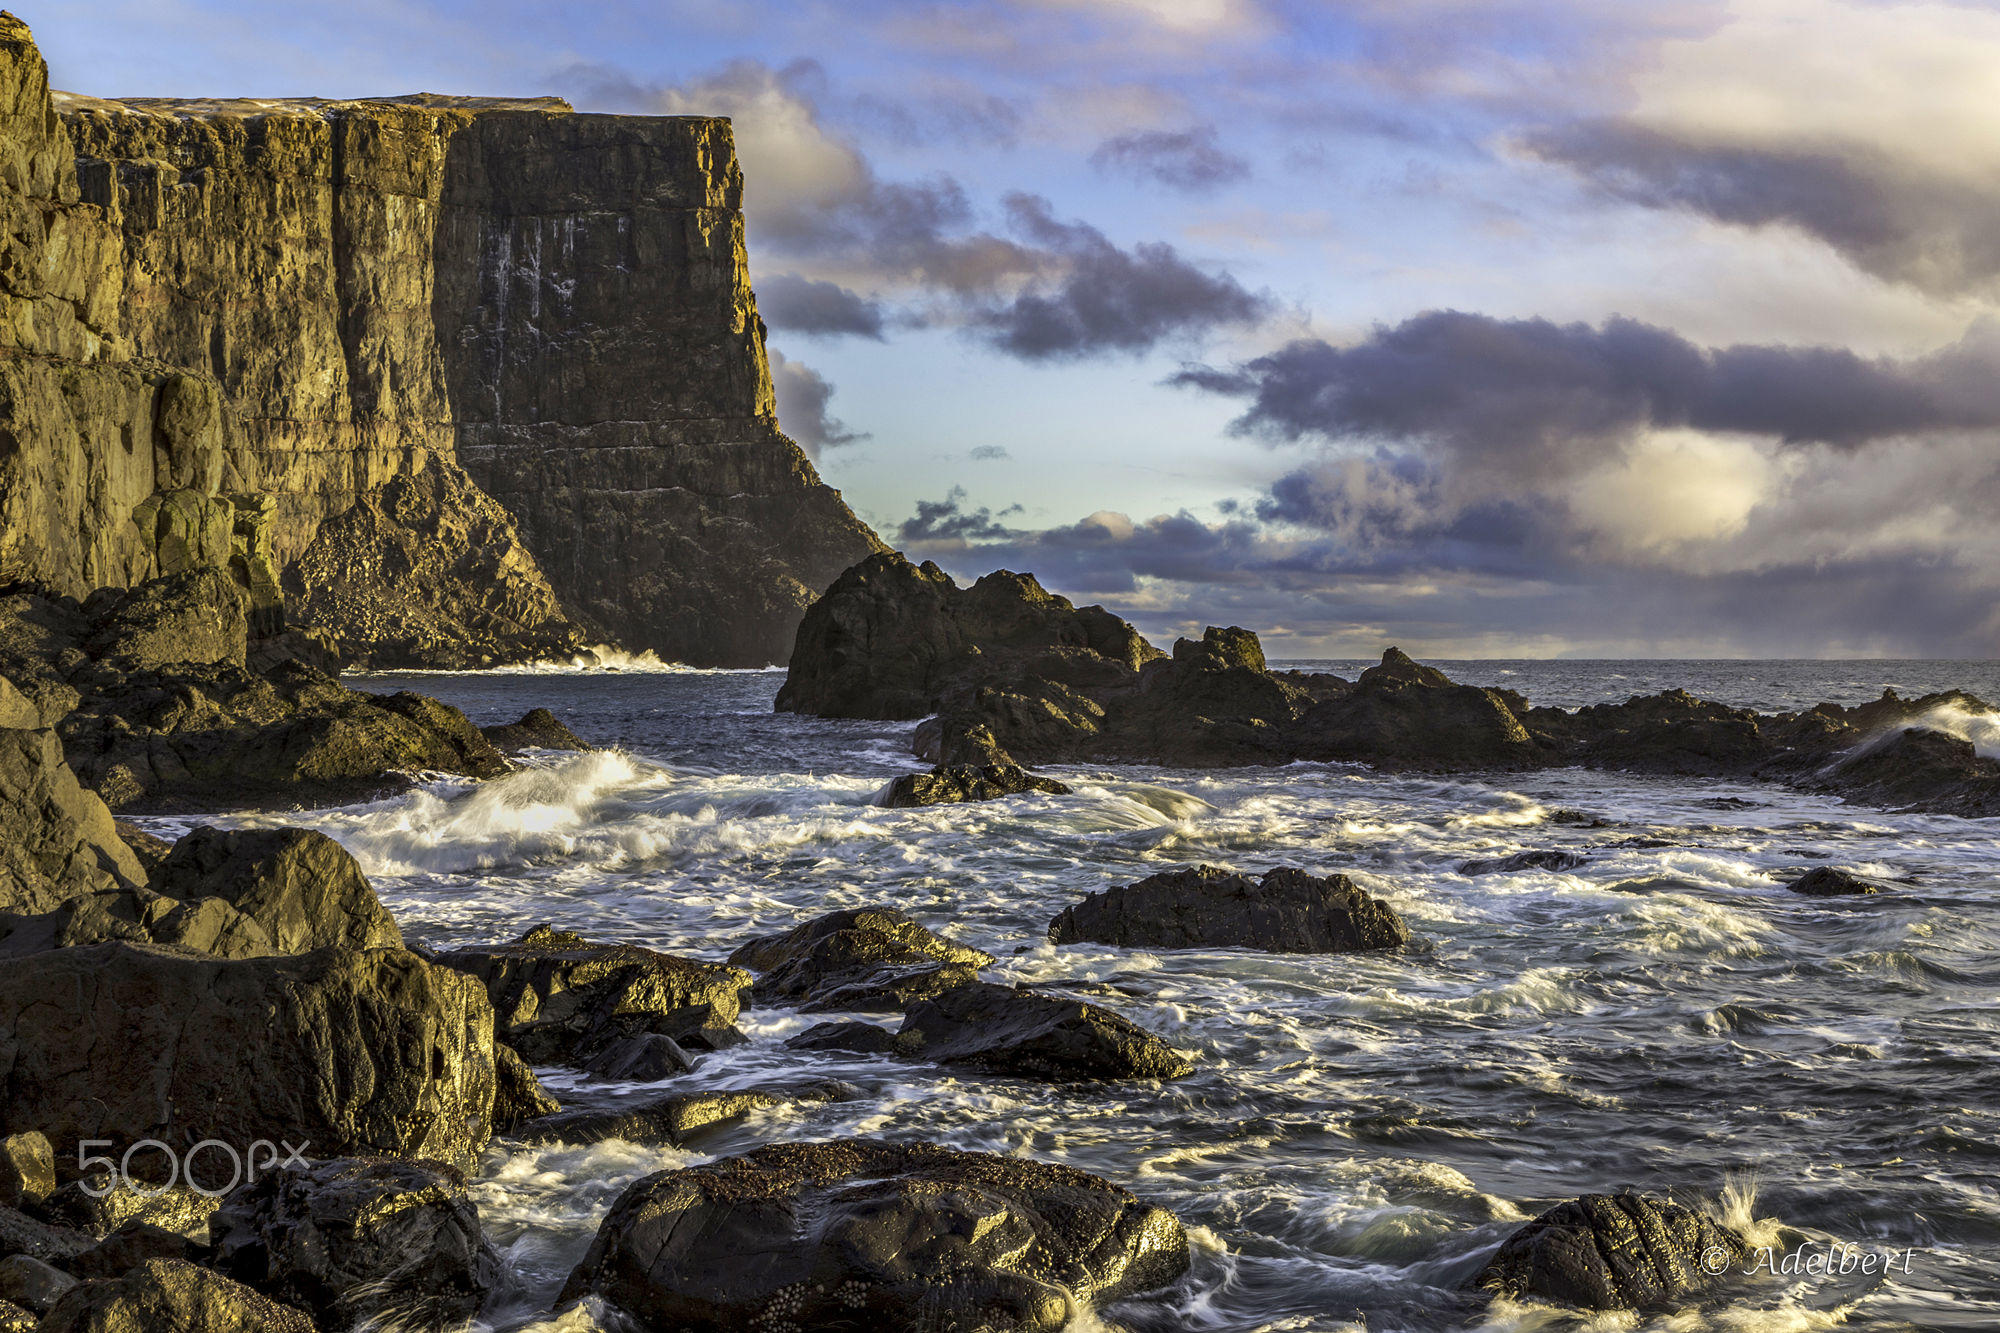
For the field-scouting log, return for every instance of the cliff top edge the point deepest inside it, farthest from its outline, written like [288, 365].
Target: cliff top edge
[248, 108]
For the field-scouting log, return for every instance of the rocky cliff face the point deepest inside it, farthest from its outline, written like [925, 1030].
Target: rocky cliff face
[239, 327]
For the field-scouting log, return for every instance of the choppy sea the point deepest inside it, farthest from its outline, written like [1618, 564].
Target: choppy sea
[1361, 1130]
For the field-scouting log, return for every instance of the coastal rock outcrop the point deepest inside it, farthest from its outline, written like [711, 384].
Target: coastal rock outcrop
[170, 1296]
[867, 959]
[1286, 911]
[360, 1242]
[1833, 882]
[956, 783]
[561, 998]
[1613, 1252]
[1034, 1034]
[824, 1235]
[351, 1052]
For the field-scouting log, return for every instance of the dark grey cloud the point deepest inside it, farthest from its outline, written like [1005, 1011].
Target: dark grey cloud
[949, 523]
[804, 399]
[1936, 232]
[1481, 386]
[1108, 300]
[1188, 160]
[989, 453]
[822, 309]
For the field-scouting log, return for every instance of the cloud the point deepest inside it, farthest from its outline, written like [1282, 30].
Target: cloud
[989, 453]
[948, 525]
[1107, 299]
[1187, 160]
[1497, 390]
[1873, 127]
[803, 398]
[822, 309]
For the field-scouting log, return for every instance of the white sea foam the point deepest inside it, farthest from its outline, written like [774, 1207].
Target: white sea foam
[1981, 728]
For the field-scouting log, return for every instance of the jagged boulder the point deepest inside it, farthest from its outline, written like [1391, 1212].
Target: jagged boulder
[22, 1234]
[517, 1094]
[170, 1296]
[1613, 1252]
[27, 1169]
[1034, 1034]
[1286, 911]
[1401, 715]
[197, 618]
[889, 639]
[136, 1242]
[57, 840]
[561, 998]
[676, 1118]
[301, 886]
[360, 1242]
[340, 1051]
[951, 784]
[868, 959]
[855, 1234]
[103, 1202]
[538, 729]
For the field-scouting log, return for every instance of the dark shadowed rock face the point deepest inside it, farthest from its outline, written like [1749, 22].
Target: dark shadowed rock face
[869, 959]
[1613, 1252]
[538, 729]
[952, 784]
[351, 1052]
[851, 1038]
[171, 1296]
[826, 1235]
[57, 840]
[561, 998]
[517, 1094]
[1832, 882]
[355, 1240]
[1033, 1034]
[1287, 911]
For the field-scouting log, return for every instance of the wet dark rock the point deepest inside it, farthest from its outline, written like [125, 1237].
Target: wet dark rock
[869, 959]
[820, 1235]
[646, 1058]
[1545, 859]
[171, 1296]
[1286, 911]
[102, 1203]
[22, 1234]
[561, 998]
[1832, 882]
[1401, 715]
[301, 886]
[675, 1119]
[538, 729]
[1918, 768]
[854, 1038]
[1613, 1252]
[953, 784]
[27, 1169]
[360, 1242]
[347, 1051]
[1032, 1034]
[517, 1094]
[136, 1242]
[32, 1284]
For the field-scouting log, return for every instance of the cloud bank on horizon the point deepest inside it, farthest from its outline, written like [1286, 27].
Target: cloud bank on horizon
[1489, 327]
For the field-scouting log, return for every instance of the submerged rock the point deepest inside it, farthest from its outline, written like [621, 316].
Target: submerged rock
[1033, 1034]
[1287, 911]
[1613, 1252]
[347, 1051]
[1832, 882]
[1546, 859]
[955, 783]
[854, 1038]
[360, 1242]
[869, 959]
[561, 998]
[676, 1118]
[880, 1235]
[170, 1296]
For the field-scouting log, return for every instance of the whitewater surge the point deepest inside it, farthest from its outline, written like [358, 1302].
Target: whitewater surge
[1361, 1130]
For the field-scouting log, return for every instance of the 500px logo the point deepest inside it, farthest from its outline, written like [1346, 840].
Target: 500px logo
[245, 1166]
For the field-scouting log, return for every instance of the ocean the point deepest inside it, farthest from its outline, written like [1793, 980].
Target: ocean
[1361, 1130]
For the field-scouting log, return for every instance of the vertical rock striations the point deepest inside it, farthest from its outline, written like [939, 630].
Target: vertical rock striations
[607, 371]
[262, 335]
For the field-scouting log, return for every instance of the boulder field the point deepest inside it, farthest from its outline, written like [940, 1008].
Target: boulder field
[1006, 673]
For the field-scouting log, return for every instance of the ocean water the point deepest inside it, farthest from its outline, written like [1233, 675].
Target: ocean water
[1361, 1131]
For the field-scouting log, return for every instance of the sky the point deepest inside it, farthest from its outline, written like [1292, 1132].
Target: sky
[1490, 328]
